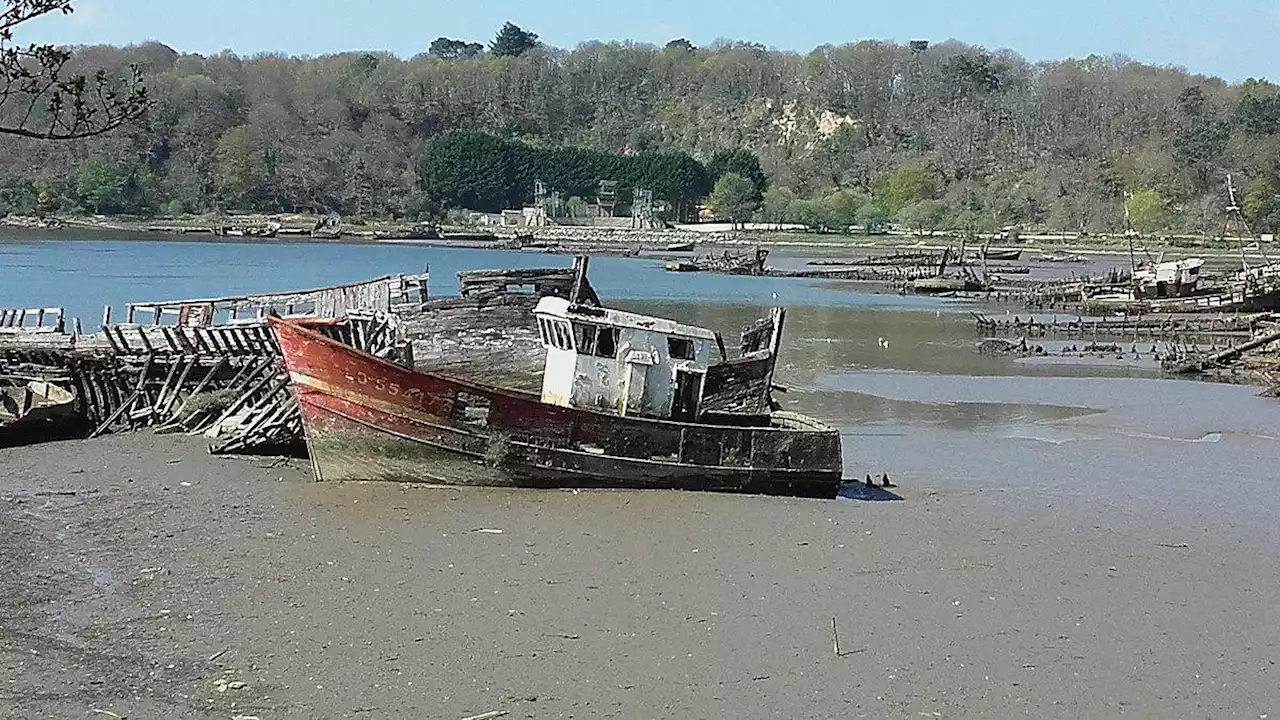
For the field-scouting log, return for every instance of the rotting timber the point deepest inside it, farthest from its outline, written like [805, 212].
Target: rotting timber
[625, 401]
[204, 366]
[212, 366]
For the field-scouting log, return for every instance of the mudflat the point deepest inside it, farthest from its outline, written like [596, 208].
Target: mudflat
[141, 577]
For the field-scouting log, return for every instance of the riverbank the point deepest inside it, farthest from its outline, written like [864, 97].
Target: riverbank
[622, 240]
[148, 579]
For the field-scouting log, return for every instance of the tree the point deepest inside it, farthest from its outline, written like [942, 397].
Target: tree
[1000, 139]
[733, 198]
[1200, 147]
[469, 169]
[681, 44]
[777, 200]
[808, 213]
[450, 49]
[512, 41]
[907, 187]
[1261, 205]
[100, 183]
[873, 217]
[740, 162]
[241, 171]
[1148, 210]
[841, 209]
[1205, 215]
[41, 99]
[924, 216]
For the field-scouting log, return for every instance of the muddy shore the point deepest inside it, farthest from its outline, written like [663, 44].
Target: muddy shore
[613, 240]
[144, 578]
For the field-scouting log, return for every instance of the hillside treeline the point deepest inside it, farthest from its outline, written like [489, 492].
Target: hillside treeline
[945, 135]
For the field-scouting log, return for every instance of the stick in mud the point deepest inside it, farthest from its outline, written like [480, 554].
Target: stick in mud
[835, 637]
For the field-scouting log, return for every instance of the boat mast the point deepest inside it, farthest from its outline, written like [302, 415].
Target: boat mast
[1129, 232]
[1234, 211]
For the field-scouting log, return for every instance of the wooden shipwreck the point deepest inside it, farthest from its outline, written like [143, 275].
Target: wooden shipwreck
[727, 263]
[205, 366]
[625, 400]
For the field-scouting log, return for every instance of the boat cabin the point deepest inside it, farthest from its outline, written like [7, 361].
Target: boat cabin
[622, 363]
[1176, 278]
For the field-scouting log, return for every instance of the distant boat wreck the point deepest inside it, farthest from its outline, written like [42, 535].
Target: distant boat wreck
[752, 263]
[627, 401]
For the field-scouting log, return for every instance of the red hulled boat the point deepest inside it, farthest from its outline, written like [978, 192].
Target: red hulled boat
[628, 401]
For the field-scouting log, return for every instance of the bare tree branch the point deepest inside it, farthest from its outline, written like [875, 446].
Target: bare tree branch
[40, 100]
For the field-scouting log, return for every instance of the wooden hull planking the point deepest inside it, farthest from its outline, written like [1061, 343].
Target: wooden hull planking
[368, 419]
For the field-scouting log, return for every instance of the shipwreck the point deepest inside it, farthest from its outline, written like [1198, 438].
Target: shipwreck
[524, 378]
[626, 401]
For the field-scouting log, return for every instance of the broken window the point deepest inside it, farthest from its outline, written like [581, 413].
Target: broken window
[555, 334]
[680, 348]
[585, 335]
[607, 343]
[596, 340]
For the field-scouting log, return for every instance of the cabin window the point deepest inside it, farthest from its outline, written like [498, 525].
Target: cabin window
[555, 334]
[585, 335]
[564, 335]
[595, 340]
[680, 348]
[607, 343]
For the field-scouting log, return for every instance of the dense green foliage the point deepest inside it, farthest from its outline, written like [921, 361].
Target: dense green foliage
[471, 169]
[734, 198]
[952, 135]
[740, 162]
[513, 41]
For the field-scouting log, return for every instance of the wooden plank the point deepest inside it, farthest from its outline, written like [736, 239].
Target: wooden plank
[142, 380]
[200, 386]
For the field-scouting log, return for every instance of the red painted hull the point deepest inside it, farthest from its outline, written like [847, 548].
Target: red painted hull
[368, 419]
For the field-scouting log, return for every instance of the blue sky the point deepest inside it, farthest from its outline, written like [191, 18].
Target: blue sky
[1230, 38]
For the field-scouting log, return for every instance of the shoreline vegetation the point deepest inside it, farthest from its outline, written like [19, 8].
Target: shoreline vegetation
[927, 136]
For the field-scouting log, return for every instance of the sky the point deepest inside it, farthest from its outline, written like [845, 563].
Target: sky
[1233, 39]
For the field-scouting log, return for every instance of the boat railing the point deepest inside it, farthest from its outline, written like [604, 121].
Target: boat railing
[32, 320]
[382, 294]
[375, 333]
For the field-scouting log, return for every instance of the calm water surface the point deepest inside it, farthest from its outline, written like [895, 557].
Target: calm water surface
[84, 275]
[1114, 436]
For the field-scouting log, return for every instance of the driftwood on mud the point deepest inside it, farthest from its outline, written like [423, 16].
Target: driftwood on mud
[1150, 326]
[1224, 357]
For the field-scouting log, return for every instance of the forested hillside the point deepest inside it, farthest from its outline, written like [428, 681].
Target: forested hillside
[937, 136]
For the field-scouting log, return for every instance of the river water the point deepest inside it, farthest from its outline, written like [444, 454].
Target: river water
[900, 376]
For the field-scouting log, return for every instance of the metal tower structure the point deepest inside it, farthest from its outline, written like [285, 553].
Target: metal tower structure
[539, 193]
[607, 197]
[642, 209]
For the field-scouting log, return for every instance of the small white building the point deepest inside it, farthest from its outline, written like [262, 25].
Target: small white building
[623, 363]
